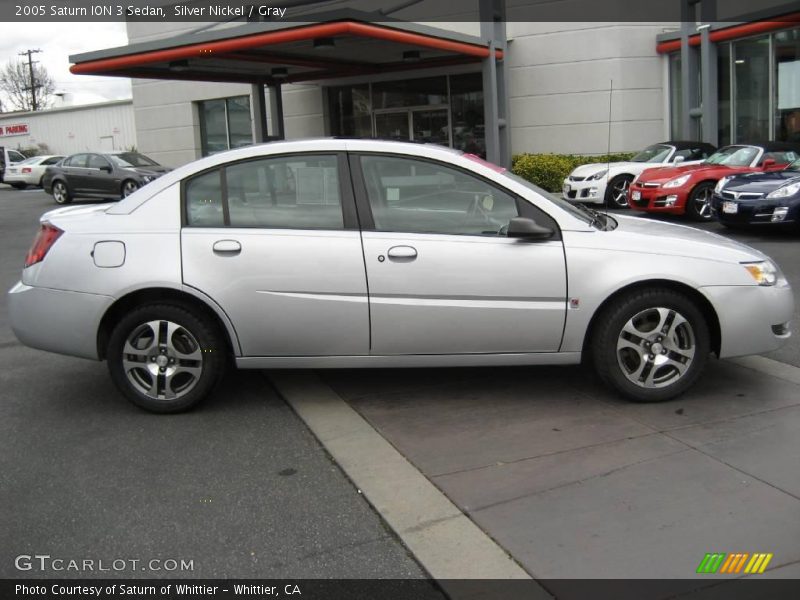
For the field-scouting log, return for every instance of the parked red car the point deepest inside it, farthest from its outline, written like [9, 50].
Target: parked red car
[688, 189]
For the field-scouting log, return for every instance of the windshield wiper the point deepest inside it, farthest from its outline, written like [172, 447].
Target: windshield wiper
[596, 217]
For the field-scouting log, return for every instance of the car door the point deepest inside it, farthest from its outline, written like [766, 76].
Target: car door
[443, 278]
[76, 173]
[275, 242]
[99, 178]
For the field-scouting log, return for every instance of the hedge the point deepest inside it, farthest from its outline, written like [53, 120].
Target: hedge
[548, 171]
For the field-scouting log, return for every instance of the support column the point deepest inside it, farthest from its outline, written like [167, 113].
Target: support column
[259, 113]
[495, 76]
[276, 111]
[689, 89]
[708, 74]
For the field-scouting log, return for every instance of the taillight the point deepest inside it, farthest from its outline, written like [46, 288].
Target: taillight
[26, 169]
[47, 236]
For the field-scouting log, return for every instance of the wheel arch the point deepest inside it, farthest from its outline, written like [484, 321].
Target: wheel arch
[703, 303]
[161, 295]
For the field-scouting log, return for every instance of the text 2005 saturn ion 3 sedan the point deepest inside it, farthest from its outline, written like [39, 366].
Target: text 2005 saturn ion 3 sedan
[347, 253]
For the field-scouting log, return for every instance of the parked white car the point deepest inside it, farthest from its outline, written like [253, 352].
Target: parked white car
[608, 183]
[29, 171]
[8, 157]
[363, 253]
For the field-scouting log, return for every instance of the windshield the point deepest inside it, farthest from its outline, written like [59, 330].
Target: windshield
[656, 153]
[132, 159]
[558, 201]
[733, 156]
[31, 161]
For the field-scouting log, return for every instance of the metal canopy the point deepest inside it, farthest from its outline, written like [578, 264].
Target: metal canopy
[305, 52]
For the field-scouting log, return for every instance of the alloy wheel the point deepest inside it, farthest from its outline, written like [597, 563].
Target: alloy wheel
[656, 347]
[129, 188]
[619, 192]
[162, 360]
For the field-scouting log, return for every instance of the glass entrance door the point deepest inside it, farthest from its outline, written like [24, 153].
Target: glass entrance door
[418, 124]
[392, 125]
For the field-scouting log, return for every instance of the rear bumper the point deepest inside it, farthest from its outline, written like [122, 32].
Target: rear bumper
[750, 317]
[56, 320]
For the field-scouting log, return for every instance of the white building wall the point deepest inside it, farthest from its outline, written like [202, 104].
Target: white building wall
[76, 128]
[559, 80]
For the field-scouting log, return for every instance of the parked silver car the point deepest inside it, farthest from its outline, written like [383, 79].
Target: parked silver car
[358, 253]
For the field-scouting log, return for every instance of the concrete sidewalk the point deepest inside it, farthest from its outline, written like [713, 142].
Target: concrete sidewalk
[575, 483]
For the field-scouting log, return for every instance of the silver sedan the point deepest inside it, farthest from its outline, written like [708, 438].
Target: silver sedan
[357, 253]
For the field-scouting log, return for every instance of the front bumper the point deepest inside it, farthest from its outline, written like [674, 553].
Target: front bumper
[57, 320]
[591, 191]
[753, 212]
[751, 317]
[658, 199]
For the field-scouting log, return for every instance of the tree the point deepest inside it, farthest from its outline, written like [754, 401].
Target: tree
[15, 82]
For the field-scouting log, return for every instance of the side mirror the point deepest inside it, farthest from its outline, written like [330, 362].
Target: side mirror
[678, 159]
[106, 168]
[769, 163]
[527, 229]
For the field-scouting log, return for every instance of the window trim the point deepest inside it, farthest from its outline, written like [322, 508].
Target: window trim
[524, 208]
[346, 197]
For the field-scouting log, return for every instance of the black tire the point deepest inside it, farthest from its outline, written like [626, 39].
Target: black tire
[626, 369]
[195, 344]
[128, 187]
[617, 191]
[698, 205]
[61, 193]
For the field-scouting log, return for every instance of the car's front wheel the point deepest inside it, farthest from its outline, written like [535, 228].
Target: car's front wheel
[165, 358]
[698, 206]
[617, 191]
[651, 345]
[61, 193]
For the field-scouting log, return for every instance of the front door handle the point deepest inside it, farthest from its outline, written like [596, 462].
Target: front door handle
[402, 253]
[227, 247]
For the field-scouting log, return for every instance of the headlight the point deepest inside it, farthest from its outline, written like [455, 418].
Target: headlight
[785, 191]
[764, 272]
[147, 178]
[721, 184]
[677, 182]
[598, 175]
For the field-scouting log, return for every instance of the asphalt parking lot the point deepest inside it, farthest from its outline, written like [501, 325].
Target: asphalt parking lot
[241, 488]
[567, 478]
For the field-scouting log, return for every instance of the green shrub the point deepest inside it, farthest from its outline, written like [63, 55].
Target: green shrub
[548, 171]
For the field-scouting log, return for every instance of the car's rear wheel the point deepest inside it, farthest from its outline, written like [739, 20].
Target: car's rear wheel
[128, 187]
[165, 358]
[698, 206]
[61, 193]
[617, 191]
[651, 345]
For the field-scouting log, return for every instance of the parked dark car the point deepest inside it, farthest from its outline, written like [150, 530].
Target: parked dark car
[771, 198]
[113, 175]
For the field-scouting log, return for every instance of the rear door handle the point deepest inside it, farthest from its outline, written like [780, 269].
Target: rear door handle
[402, 253]
[227, 247]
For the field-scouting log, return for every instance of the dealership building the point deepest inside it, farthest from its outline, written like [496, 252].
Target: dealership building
[494, 86]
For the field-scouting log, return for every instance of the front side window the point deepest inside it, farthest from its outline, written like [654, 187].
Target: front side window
[424, 197]
[97, 162]
[285, 192]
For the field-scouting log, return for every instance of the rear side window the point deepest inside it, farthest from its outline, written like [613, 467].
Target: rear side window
[285, 192]
[204, 200]
[79, 160]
